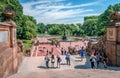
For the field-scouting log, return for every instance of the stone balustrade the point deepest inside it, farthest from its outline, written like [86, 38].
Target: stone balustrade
[10, 56]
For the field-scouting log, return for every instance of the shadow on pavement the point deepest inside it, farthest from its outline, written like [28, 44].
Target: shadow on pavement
[43, 67]
[87, 65]
[78, 60]
[63, 64]
[78, 57]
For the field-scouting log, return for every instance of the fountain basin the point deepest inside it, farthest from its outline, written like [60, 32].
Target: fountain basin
[68, 39]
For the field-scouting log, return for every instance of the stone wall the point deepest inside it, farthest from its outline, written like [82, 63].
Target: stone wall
[118, 34]
[113, 43]
[10, 58]
[111, 52]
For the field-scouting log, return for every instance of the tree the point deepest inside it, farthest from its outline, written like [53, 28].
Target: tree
[41, 28]
[90, 25]
[22, 21]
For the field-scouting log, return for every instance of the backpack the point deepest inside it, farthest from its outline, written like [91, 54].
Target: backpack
[59, 59]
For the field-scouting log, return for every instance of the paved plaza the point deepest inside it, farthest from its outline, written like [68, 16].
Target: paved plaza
[34, 66]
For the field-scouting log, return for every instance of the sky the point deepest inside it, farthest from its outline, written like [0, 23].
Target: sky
[64, 11]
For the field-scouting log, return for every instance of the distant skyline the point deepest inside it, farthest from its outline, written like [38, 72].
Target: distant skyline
[64, 11]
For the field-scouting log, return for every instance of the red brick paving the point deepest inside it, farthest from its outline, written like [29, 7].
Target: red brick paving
[38, 50]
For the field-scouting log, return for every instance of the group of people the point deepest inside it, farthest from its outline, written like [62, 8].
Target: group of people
[95, 58]
[63, 51]
[52, 60]
[81, 51]
[98, 57]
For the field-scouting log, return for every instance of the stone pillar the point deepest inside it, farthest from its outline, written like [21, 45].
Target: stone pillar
[10, 59]
[14, 45]
[112, 44]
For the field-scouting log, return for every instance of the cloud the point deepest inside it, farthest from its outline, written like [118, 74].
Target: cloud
[56, 11]
[67, 6]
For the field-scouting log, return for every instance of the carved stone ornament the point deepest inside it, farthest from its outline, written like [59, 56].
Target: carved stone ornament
[8, 13]
[114, 16]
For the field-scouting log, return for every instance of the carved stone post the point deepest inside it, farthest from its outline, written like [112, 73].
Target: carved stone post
[113, 40]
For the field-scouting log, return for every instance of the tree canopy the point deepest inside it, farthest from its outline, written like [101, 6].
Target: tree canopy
[25, 24]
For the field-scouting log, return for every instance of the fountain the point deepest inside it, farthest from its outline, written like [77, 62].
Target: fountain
[64, 37]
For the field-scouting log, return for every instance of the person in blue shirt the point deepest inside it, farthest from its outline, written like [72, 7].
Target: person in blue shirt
[82, 53]
[68, 58]
[47, 61]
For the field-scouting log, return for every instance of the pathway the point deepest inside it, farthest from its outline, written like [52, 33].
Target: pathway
[33, 67]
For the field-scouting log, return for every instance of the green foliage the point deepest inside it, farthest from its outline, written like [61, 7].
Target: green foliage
[25, 24]
[89, 26]
[55, 29]
[104, 20]
[96, 25]
[41, 28]
[27, 44]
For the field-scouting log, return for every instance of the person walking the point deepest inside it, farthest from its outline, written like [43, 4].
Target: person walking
[47, 61]
[52, 60]
[92, 60]
[68, 58]
[58, 61]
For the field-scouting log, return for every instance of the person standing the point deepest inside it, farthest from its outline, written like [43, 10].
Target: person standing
[47, 61]
[92, 60]
[76, 49]
[65, 52]
[62, 50]
[52, 60]
[58, 61]
[68, 58]
[82, 53]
